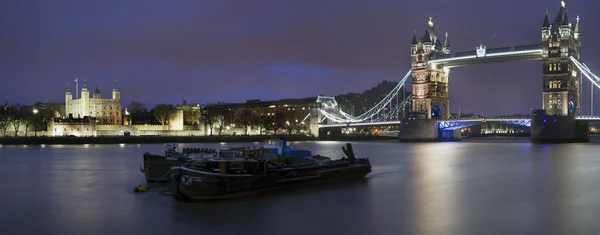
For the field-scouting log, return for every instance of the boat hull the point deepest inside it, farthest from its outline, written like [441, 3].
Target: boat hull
[197, 185]
[156, 167]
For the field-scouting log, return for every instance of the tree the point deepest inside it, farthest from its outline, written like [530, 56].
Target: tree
[16, 118]
[208, 117]
[279, 120]
[4, 121]
[263, 121]
[244, 117]
[191, 116]
[27, 115]
[52, 108]
[138, 112]
[223, 117]
[135, 107]
[162, 112]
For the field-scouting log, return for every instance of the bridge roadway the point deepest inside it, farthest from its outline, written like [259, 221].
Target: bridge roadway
[452, 124]
[503, 54]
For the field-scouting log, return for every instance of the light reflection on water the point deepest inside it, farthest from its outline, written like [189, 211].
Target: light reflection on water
[426, 188]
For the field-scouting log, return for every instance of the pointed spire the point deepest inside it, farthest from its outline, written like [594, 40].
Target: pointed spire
[430, 23]
[115, 81]
[426, 37]
[69, 87]
[438, 45]
[561, 13]
[446, 43]
[565, 20]
[97, 91]
[546, 22]
[576, 32]
[414, 39]
[84, 83]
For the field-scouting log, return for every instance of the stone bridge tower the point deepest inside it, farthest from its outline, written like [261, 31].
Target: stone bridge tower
[429, 85]
[561, 40]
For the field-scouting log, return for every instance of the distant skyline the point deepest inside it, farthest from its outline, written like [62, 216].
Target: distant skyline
[233, 51]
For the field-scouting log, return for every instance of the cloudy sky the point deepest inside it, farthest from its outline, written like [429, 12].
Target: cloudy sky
[231, 51]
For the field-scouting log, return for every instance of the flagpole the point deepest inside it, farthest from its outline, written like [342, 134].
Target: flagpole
[76, 89]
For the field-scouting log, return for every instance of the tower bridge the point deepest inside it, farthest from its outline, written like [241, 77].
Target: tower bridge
[431, 64]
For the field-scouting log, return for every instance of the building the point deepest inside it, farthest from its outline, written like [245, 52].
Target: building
[106, 111]
[560, 41]
[70, 126]
[430, 85]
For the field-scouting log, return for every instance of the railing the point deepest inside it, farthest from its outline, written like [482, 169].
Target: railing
[489, 118]
[465, 53]
[528, 47]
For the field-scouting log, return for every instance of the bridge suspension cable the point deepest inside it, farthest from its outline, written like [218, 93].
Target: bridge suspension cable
[586, 72]
[386, 102]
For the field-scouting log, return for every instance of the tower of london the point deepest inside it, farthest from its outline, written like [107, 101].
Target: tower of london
[106, 111]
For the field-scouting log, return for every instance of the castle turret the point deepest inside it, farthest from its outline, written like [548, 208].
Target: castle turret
[68, 99]
[116, 94]
[546, 28]
[446, 49]
[413, 45]
[97, 94]
[576, 31]
[85, 100]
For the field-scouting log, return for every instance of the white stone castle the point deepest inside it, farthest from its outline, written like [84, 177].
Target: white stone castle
[106, 111]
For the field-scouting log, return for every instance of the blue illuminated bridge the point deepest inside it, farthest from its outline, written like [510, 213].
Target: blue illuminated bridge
[454, 124]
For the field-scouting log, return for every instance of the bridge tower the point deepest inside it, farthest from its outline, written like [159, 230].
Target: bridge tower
[561, 40]
[429, 84]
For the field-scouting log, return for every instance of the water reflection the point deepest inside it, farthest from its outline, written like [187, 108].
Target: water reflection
[429, 188]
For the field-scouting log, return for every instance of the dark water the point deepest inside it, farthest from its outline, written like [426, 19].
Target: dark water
[430, 188]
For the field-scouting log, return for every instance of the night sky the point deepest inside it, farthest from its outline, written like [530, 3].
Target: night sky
[231, 51]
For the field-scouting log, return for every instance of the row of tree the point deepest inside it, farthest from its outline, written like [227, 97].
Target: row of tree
[219, 117]
[262, 118]
[31, 118]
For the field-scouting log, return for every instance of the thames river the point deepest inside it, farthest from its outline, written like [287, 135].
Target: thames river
[472, 187]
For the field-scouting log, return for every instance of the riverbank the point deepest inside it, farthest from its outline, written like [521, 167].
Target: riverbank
[170, 139]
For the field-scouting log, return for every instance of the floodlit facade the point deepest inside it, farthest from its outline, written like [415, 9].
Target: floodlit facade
[561, 39]
[106, 111]
[429, 84]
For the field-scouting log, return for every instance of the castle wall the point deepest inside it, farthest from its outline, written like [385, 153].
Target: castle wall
[176, 121]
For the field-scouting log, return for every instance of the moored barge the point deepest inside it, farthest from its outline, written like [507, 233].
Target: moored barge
[220, 178]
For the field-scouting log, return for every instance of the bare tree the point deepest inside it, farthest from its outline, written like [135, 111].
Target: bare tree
[223, 117]
[244, 117]
[162, 112]
[135, 107]
[191, 117]
[279, 121]
[4, 121]
[16, 118]
[208, 117]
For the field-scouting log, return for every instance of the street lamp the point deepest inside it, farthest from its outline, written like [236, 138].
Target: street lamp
[35, 124]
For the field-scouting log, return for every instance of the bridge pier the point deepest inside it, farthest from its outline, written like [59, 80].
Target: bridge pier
[426, 131]
[558, 129]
